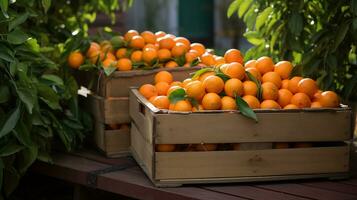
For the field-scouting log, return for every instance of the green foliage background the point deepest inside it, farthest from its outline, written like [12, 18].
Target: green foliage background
[319, 36]
[38, 94]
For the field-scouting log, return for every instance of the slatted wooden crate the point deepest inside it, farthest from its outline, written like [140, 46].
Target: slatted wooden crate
[109, 104]
[152, 126]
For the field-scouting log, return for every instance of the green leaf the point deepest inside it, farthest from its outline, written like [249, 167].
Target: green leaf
[53, 78]
[177, 95]
[26, 158]
[33, 44]
[46, 4]
[4, 4]
[254, 37]
[354, 7]
[11, 178]
[4, 93]
[20, 18]
[17, 37]
[22, 134]
[244, 7]
[262, 17]
[9, 149]
[233, 7]
[49, 96]
[10, 122]
[341, 34]
[2, 166]
[109, 70]
[195, 62]
[223, 76]
[258, 83]
[6, 53]
[245, 109]
[27, 96]
[197, 74]
[44, 157]
[295, 23]
[87, 67]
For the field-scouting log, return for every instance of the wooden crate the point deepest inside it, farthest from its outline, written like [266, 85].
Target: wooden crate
[152, 126]
[113, 143]
[118, 84]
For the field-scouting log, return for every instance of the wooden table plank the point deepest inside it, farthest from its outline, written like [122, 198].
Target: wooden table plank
[334, 186]
[306, 191]
[251, 192]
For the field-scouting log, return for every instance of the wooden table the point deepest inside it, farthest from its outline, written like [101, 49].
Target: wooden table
[123, 176]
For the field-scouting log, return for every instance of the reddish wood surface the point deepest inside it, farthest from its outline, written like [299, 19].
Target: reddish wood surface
[132, 182]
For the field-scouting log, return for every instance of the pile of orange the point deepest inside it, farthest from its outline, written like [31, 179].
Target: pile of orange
[149, 50]
[271, 88]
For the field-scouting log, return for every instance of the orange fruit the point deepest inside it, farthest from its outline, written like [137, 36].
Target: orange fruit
[94, 56]
[173, 88]
[164, 55]
[149, 55]
[199, 108]
[162, 88]
[208, 59]
[307, 86]
[254, 72]
[233, 87]
[329, 99]
[191, 56]
[164, 76]
[111, 56]
[316, 104]
[108, 62]
[94, 47]
[148, 90]
[186, 81]
[130, 34]
[203, 76]
[250, 88]
[161, 102]
[154, 46]
[106, 46]
[137, 42]
[281, 145]
[195, 89]
[283, 68]
[284, 97]
[206, 147]
[265, 64]
[270, 91]
[176, 83]
[152, 99]
[219, 60]
[200, 48]
[291, 106]
[166, 42]
[178, 49]
[250, 64]
[171, 106]
[228, 103]
[75, 59]
[293, 84]
[183, 105]
[171, 64]
[234, 70]
[171, 36]
[149, 37]
[213, 84]
[317, 96]
[137, 56]
[183, 40]
[285, 84]
[269, 104]
[165, 147]
[252, 101]
[121, 53]
[272, 77]
[211, 101]
[301, 100]
[233, 55]
[124, 64]
[160, 34]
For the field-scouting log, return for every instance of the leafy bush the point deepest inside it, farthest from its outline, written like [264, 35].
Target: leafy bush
[38, 95]
[319, 36]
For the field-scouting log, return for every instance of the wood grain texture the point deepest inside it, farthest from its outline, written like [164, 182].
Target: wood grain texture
[220, 164]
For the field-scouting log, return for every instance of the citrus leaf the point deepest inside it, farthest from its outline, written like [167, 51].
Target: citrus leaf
[17, 37]
[21, 18]
[195, 62]
[4, 5]
[27, 96]
[109, 70]
[258, 83]
[262, 17]
[53, 78]
[4, 93]
[295, 23]
[10, 122]
[233, 8]
[244, 7]
[9, 149]
[197, 74]
[46, 4]
[253, 37]
[244, 108]
[341, 34]
[193, 101]
[177, 95]
[223, 76]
